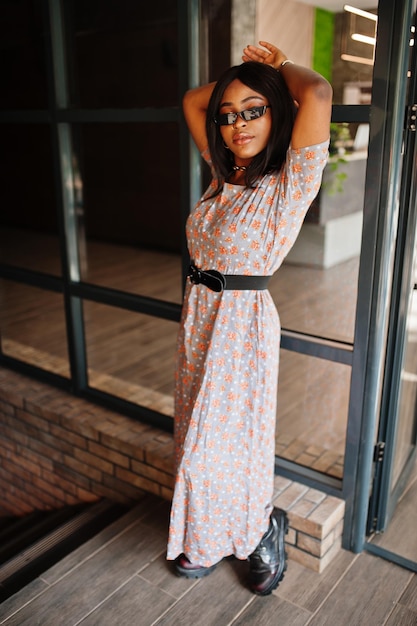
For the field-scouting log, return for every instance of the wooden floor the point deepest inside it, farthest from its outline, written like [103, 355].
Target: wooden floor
[121, 578]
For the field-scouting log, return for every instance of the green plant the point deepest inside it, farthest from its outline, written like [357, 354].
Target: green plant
[339, 138]
[336, 184]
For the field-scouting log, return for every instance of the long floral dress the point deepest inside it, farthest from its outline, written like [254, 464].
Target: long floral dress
[227, 363]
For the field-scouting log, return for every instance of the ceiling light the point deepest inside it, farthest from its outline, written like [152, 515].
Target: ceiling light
[363, 38]
[369, 16]
[356, 59]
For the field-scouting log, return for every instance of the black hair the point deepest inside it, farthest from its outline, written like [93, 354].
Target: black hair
[265, 80]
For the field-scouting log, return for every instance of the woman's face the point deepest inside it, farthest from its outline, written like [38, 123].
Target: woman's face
[244, 138]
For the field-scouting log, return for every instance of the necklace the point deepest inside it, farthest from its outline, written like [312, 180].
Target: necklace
[240, 168]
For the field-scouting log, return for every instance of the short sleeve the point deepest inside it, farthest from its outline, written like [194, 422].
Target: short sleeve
[303, 172]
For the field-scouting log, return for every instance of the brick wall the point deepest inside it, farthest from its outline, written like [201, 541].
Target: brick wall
[56, 449]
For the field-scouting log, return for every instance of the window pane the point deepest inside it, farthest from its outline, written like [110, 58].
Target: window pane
[316, 288]
[317, 301]
[30, 249]
[22, 56]
[28, 219]
[131, 203]
[352, 70]
[131, 355]
[134, 269]
[32, 326]
[125, 53]
[327, 46]
[313, 398]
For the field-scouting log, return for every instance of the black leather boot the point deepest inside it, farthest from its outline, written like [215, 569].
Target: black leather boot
[268, 562]
[183, 567]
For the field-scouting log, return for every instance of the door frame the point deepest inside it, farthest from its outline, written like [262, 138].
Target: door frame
[382, 503]
[377, 286]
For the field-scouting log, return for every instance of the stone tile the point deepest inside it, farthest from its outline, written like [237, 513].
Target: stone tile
[303, 558]
[291, 537]
[303, 508]
[310, 561]
[306, 526]
[284, 439]
[338, 531]
[281, 483]
[314, 546]
[290, 496]
[305, 459]
[322, 520]
[295, 449]
[314, 450]
[328, 513]
[314, 495]
[328, 557]
[326, 461]
[166, 493]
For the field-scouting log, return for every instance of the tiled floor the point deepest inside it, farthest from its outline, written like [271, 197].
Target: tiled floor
[121, 578]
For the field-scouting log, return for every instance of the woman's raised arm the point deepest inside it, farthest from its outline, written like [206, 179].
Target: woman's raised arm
[195, 104]
[312, 93]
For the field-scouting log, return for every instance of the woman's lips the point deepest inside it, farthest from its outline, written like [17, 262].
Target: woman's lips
[241, 140]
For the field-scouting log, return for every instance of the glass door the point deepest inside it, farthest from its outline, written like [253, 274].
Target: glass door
[394, 498]
[394, 491]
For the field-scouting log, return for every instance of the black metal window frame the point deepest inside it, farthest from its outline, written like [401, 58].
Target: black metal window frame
[59, 119]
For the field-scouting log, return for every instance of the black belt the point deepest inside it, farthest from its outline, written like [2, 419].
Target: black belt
[216, 281]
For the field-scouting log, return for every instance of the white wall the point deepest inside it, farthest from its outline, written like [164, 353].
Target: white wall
[289, 25]
[243, 27]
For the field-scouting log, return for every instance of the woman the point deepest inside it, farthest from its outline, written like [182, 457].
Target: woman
[267, 156]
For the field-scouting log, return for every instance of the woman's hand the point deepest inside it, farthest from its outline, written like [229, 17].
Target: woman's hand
[311, 92]
[271, 56]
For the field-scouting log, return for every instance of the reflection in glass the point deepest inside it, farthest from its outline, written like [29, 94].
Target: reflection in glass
[313, 397]
[135, 270]
[400, 536]
[325, 35]
[352, 69]
[359, 35]
[320, 273]
[129, 208]
[30, 249]
[28, 216]
[407, 421]
[32, 326]
[317, 301]
[131, 355]
[124, 53]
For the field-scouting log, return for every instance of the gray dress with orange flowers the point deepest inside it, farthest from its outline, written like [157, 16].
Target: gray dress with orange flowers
[227, 363]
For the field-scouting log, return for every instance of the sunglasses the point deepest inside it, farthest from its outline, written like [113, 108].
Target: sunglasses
[225, 119]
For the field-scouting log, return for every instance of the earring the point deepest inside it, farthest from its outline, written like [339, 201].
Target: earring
[225, 146]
